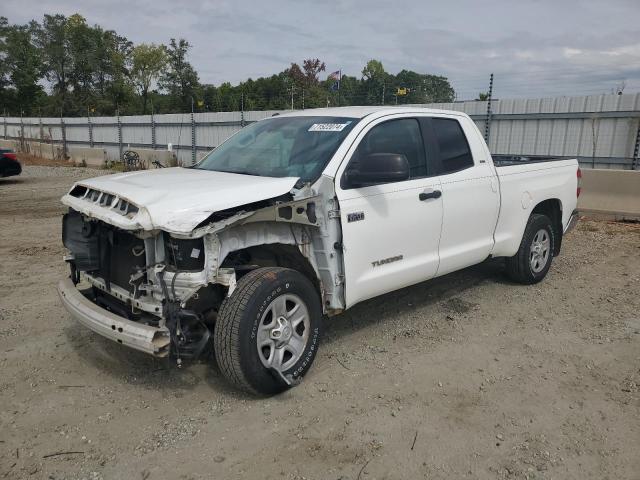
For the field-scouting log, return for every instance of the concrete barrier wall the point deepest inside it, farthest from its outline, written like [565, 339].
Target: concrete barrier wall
[12, 144]
[611, 194]
[51, 151]
[91, 157]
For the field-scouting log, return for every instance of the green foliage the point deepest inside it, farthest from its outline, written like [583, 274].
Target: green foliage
[373, 71]
[180, 80]
[6, 97]
[148, 60]
[24, 67]
[53, 42]
[88, 70]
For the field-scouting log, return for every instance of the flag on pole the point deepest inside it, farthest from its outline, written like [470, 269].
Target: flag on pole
[336, 77]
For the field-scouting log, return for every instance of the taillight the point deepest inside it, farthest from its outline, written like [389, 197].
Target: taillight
[12, 156]
[579, 175]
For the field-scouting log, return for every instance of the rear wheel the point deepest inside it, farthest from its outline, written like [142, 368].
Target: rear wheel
[533, 259]
[267, 332]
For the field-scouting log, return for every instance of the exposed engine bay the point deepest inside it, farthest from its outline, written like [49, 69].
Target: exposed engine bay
[176, 282]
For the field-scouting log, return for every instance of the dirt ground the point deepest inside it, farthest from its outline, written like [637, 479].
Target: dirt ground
[466, 376]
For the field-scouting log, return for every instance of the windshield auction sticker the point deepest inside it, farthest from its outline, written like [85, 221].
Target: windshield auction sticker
[328, 127]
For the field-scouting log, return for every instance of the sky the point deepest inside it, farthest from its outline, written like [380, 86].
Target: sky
[535, 48]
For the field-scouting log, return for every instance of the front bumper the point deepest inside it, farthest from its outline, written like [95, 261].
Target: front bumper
[573, 220]
[146, 338]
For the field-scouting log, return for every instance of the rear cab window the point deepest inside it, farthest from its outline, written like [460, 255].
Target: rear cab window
[451, 144]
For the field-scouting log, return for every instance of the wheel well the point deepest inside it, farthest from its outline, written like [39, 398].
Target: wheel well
[271, 255]
[552, 208]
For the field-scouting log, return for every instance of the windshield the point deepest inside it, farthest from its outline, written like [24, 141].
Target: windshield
[281, 147]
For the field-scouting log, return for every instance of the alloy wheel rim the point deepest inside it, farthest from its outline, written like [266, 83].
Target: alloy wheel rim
[283, 332]
[539, 251]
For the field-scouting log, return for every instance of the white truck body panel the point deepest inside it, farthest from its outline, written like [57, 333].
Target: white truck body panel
[482, 212]
[390, 229]
[296, 217]
[522, 187]
[471, 203]
[178, 199]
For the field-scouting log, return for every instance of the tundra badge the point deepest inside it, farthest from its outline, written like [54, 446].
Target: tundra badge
[384, 261]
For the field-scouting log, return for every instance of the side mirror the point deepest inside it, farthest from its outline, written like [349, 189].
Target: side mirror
[378, 168]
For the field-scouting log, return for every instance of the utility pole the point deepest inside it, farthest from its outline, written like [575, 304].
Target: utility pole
[119, 135]
[89, 126]
[193, 136]
[424, 89]
[303, 98]
[153, 127]
[636, 151]
[63, 132]
[292, 91]
[242, 109]
[40, 124]
[382, 102]
[22, 142]
[487, 124]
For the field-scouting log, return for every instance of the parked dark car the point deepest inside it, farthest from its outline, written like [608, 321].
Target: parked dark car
[9, 165]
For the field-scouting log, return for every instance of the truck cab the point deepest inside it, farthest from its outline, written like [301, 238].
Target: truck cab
[295, 217]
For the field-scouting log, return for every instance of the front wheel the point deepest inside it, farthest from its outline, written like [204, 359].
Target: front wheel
[268, 331]
[533, 259]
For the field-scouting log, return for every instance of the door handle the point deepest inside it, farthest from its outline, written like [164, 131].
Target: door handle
[427, 195]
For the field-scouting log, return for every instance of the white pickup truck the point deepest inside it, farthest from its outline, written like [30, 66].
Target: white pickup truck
[297, 216]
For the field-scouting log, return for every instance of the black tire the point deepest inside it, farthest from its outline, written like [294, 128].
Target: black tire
[519, 267]
[235, 341]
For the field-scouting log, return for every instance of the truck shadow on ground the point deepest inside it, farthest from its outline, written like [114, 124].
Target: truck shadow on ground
[11, 181]
[130, 367]
[135, 368]
[442, 290]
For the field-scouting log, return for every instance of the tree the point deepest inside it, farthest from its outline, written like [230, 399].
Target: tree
[312, 68]
[483, 96]
[24, 65]
[4, 67]
[295, 74]
[148, 60]
[438, 89]
[375, 80]
[180, 80]
[306, 82]
[115, 64]
[52, 40]
[81, 44]
[373, 70]
[86, 67]
[351, 91]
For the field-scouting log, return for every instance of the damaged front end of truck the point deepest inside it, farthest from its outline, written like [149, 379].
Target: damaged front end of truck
[156, 285]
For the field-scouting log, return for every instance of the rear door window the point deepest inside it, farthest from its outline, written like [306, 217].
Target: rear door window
[454, 151]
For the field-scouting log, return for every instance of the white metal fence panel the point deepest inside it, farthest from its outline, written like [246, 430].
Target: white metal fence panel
[601, 130]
